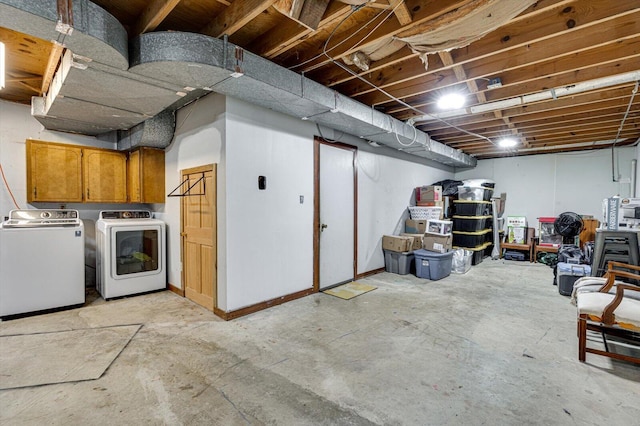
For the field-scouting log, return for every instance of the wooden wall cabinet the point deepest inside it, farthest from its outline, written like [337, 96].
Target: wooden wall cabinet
[105, 175]
[54, 172]
[76, 174]
[145, 176]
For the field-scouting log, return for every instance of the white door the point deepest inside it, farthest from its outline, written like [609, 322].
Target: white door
[337, 223]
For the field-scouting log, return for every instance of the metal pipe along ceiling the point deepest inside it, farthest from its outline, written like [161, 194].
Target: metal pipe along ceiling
[105, 85]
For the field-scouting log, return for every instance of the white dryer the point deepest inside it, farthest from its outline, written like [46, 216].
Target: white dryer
[130, 253]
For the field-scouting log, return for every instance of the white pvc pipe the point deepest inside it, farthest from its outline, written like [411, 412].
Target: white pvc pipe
[634, 168]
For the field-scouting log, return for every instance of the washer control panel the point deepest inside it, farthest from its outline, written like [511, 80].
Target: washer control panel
[125, 214]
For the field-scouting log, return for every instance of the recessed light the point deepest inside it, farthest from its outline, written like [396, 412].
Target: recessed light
[507, 142]
[451, 101]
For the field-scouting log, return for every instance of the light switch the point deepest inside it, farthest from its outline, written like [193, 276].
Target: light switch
[262, 182]
[302, 199]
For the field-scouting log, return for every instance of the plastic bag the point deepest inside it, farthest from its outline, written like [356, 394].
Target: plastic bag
[461, 261]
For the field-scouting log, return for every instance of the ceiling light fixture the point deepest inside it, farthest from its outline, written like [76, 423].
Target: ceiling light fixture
[451, 101]
[507, 142]
[1, 65]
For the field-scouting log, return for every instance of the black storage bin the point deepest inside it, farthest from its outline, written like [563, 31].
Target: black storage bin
[472, 208]
[470, 239]
[470, 223]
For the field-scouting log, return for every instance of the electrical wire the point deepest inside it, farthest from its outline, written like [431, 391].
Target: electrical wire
[354, 9]
[380, 89]
[326, 139]
[615, 141]
[8, 188]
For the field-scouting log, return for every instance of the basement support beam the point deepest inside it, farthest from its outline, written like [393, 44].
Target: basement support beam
[153, 15]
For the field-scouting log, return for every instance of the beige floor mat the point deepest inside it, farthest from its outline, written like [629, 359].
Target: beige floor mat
[59, 357]
[350, 290]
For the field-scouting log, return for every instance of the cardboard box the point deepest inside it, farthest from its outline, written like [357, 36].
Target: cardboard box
[516, 234]
[436, 242]
[612, 213]
[442, 227]
[429, 193]
[517, 221]
[397, 243]
[412, 226]
[423, 203]
[417, 240]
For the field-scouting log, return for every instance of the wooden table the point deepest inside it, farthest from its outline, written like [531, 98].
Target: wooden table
[519, 247]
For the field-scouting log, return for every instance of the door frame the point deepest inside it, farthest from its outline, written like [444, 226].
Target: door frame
[316, 207]
[200, 169]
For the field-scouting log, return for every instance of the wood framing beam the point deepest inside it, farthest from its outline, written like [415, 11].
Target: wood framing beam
[236, 16]
[52, 65]
[306, 12]
[153, 15]
[549, 24]
[290, 34]
[401, 11]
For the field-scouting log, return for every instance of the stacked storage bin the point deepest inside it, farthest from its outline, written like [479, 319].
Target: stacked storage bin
[472, 221]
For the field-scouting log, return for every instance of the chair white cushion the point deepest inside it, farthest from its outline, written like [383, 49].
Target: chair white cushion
[594, 303]
[591, 284]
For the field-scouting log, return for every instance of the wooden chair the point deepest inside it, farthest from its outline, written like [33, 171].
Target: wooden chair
[590, 284]
[526, 247]
[615, 314]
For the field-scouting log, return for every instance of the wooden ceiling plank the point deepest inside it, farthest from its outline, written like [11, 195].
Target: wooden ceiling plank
[387, 29]
[541, 82]
[401, 11]
[52, 65]
[234, 17]
[552, 24]
[153, 15]
[309, 13]
[288, 35]
[546, 54]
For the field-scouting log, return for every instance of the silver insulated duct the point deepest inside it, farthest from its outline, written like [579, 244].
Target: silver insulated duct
[105, 85]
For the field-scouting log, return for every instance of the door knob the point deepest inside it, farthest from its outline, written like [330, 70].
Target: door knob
[323, 226]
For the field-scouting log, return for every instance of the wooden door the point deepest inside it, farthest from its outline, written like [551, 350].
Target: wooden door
[54, 172]
[105, 176]
[199, 235]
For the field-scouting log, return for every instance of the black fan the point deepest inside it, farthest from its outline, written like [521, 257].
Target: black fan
[569, 225]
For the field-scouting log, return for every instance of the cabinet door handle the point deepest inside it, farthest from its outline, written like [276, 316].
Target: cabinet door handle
[88, 194]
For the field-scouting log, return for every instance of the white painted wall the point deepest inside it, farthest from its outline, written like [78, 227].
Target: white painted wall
[198, 140]
[16, 126]
[265, 238]
[547, 185]
[385, 189]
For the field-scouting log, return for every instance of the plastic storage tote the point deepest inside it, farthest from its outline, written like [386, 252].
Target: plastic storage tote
[431, 265]
[471, 223]
[471, 239]
[398, 263]
[474, 193]
[471, 207]
[568, 274]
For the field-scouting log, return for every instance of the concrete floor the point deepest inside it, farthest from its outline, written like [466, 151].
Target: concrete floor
[494, 346]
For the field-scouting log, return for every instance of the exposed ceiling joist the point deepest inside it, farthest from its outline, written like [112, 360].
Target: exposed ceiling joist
[155, 12]
[235, 16]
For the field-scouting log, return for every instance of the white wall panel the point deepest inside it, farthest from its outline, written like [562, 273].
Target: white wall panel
[549, 184]
[385, 189]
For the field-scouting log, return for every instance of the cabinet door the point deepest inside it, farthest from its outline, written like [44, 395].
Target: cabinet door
[54, 172]
[105, 176]
[133, 177]
[145, 177]
[152, 173]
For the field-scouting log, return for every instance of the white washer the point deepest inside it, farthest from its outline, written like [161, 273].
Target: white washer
[41, 261]
[130, 253]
